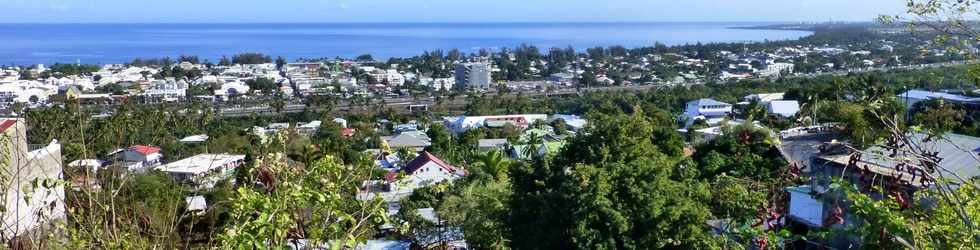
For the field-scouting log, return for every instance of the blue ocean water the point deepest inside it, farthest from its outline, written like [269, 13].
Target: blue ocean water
[22, 44]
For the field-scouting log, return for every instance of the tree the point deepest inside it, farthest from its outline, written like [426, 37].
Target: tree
[224, 61]
[365, 58]
[278, 103]
[940, 117]
[250, 58]
[315, 203]
[441, 139]
[262, 84]
[742, 151]
[609, 188]
[280, 63]
[492, 166]
[190, 59]
[480, 210]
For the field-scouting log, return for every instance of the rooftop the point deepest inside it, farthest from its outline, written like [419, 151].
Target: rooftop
[143, 149]
[424, 158]
[7, 123]
[928, 95]
[709, 102]
[200, 163]
[958, 153]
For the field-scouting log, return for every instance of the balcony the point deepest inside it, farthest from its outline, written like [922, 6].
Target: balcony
[35, 147]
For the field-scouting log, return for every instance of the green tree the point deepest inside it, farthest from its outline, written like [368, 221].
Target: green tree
[262, 84]
[315, 202]
[609, 188]
[280, 63]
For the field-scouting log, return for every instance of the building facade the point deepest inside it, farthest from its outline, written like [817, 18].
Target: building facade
[473, 75]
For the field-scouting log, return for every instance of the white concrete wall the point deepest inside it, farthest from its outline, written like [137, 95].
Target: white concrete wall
[29, 206]
[429, 174]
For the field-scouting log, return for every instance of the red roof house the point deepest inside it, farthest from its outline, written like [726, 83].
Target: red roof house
[427, 169]
[145, 150]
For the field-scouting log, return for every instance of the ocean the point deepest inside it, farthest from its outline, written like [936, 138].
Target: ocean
[23, 44]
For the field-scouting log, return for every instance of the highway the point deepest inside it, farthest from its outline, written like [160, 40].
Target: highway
[402, 104]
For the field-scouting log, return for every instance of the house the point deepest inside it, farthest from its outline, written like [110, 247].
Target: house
[406, 127]
[140, 157]
[492, 144]
[812, 205]
[957, 152]
[912, 97]
[764, 97]
[783, 108]
[387, 161]
[308, 128]
[426, 169]
[413, 141]
[203, 170]
[230, 89]
[710, 110]
[95, 99]
[573, 122]
[27, 210]
[196, 204]
[92, 164]
[195, 139]
[166, 91]
[72, 92]
[461, 124]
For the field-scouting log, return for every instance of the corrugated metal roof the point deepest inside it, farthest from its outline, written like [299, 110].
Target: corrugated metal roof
[958, 154]
[928, 95]
[711, 102]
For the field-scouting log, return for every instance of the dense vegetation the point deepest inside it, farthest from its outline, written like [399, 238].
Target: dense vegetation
[629, 180]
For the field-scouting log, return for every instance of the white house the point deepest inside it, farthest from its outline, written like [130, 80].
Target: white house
[141, 157]
[424, 170]
[231, 88]
[461, 124]
[166, 91]
[710, 110]
[203, 170]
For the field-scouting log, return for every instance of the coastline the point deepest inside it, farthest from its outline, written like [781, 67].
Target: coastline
[37, 43]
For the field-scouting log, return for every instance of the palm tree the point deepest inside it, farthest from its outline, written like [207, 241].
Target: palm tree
[492, 165]
[534, 141]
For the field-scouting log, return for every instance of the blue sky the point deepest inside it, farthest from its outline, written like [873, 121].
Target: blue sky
[69, 11]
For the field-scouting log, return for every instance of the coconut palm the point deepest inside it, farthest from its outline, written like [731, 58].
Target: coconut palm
[492, 165]
[534, 141]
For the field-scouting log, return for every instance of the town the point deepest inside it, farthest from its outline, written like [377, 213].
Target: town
[692, 146]
[252, 82]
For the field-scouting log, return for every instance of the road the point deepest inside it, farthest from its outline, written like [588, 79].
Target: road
[402, 104]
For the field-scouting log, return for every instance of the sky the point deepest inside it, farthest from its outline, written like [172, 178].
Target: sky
[350, 11]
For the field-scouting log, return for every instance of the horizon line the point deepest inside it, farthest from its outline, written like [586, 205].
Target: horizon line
[453, 22]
